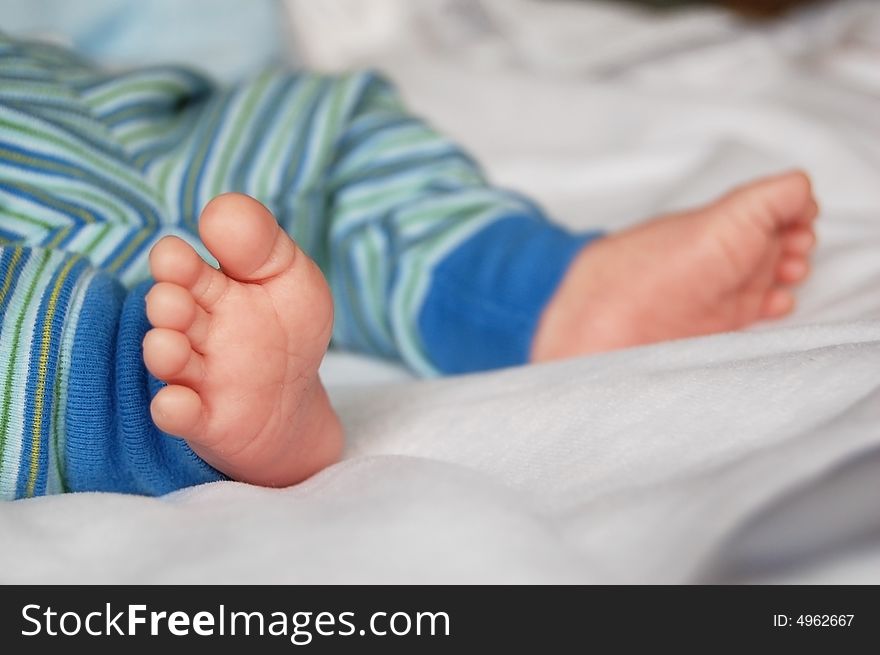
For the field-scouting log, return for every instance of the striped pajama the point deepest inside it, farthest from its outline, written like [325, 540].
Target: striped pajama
[427, 263]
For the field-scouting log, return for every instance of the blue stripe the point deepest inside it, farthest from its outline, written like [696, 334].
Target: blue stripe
[34, 104]
[151, 152]
[357, 324]
[36, 75]
[56, 329]
[46, 53]
[9, 237]
[404, 164]
[5, 263]
[294, 164]
[31, 385]
[265, 123]
[133, 255]
[152, 110]
[20, 190]
[147, 213]
[50, 122]
[362, 129]
[192, 82]
[214, 123]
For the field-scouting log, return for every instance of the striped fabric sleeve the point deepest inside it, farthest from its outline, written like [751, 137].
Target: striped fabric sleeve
[429, 262]
[75, 395]
[40, 298]
[375, 195]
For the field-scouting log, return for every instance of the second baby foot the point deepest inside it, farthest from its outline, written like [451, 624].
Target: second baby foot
[240, 347]
[713, 269]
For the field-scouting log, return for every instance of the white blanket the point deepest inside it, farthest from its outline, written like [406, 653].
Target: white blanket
[740, 457]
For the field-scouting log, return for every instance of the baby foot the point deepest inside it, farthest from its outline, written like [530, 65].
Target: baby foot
[713, 269]
[240, 347]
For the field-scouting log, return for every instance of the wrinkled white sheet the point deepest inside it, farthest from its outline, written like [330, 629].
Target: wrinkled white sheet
[740, 457]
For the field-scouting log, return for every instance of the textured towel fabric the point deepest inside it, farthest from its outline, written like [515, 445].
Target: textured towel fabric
[102, 165]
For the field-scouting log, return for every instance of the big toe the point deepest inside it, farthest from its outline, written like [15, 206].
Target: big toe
[778, 201]
[245, 238]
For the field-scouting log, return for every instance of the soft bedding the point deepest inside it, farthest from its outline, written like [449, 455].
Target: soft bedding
[746, 457]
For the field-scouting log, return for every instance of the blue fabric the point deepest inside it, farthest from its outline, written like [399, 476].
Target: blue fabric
[112, 443]
[227, 38]
[486, 297]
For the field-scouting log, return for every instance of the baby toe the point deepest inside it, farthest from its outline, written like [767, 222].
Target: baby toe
[798, 241]
[178, 411]
[170, 306]
[173, 307]
[777, 303]
[174, 260]
[792, 270]
[169, 356]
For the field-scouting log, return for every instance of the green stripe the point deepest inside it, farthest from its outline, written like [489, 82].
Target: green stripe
[196, 163]
[328, 137]
[229, 148]
[94, 242]
[374, 252]
[134, 241]
[305, 94]
[383, 146]
[113, 170]
[60, 235]
[24, 90]
[103, 201]
[24, 218]
[122, 86]
[151, 130]
[16, 342]
[56, 437]
[53, 309]
[7, 280]
[164, 173]
[150, 221]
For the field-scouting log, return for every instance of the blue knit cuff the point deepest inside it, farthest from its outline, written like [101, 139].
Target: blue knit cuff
[112, 443]
[486, 297]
